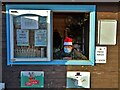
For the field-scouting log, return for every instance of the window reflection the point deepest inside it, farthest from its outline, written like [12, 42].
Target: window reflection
[30, 36]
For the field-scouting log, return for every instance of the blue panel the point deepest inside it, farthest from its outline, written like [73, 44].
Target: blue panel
[56, 7]
[8, 36]
[78, 62]
[53, 7]
[55, 62]
[92, 37]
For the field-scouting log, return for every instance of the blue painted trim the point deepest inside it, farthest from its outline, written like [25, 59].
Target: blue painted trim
[8, 35]
[55, 62]
[92, 37]
[83, 8]
[51, 34]
[56, 7]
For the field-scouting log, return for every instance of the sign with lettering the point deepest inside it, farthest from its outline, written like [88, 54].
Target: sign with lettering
[40, 37]
[29, 22]
[101, 52]
[22, 37]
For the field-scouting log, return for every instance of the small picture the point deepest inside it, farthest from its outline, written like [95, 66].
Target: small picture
[78, 79]
[32, 79]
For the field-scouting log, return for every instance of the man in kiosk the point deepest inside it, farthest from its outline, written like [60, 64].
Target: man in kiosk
[69, 51]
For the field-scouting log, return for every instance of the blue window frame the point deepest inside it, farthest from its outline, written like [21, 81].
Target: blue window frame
[54, 7]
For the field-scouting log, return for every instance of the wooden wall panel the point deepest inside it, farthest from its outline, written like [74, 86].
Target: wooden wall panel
[102, 75]
[119, 45]
[104, 79]
[107, 15]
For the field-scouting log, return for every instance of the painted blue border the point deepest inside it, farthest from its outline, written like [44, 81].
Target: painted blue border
[55, 7]
[8, 37]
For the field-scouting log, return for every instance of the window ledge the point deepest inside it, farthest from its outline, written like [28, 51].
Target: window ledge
[55, 62]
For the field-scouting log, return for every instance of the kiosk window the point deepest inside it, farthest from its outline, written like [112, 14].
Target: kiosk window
[29, 35]
[71, 36]
[50, 34]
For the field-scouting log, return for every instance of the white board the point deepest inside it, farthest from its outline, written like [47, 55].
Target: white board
[107, 30]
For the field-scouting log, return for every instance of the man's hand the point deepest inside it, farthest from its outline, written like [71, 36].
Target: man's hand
[67, 58]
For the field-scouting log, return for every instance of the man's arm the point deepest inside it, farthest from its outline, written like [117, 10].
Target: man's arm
[79, 54]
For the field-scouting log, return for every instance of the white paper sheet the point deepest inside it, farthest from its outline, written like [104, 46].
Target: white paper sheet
[29, 22]
[40, 37]
[22, 37]
[101, 52]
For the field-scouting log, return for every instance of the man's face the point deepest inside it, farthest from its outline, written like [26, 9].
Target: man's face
[67, 49]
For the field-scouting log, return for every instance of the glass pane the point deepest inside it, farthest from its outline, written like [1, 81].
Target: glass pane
[71, 36]
[30, 36]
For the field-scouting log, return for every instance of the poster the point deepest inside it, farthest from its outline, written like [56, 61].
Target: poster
[32, 79]
[22, 37]
[29, 22]
[77, 79]
[40, 37]
[101, 52]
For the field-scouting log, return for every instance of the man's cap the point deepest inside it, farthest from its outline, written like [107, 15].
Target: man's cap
[68, 41]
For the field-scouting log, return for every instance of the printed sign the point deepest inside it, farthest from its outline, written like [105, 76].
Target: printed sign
[32, 79]
[77, 79]
[22, 37]
[29, 22]
[40, 37]
[101, 52]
